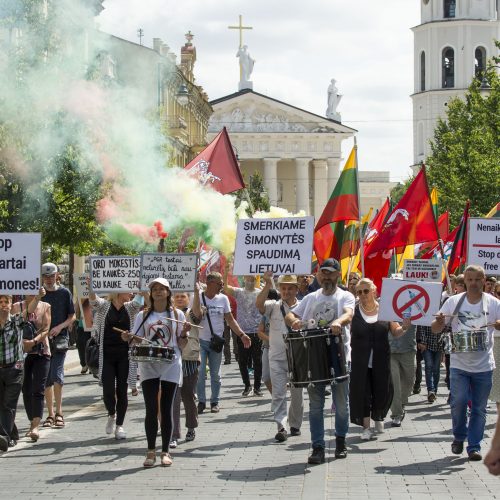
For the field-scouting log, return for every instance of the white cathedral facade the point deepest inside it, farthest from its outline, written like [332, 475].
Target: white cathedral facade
[452, 45]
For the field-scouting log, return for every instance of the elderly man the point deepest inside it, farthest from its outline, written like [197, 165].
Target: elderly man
[478, 313]
[62, 316]
[275, 311]
[332, 307]
[213, 309]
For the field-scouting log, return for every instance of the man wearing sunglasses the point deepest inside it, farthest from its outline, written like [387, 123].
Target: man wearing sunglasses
[332, 307]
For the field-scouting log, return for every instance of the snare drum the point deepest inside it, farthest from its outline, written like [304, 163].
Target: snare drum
[152, 353]
[470, 341]
[315, 357]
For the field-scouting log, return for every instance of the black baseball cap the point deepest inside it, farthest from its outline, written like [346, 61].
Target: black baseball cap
[330, 265]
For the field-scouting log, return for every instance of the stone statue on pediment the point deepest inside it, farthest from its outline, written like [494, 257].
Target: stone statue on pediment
[333, 101]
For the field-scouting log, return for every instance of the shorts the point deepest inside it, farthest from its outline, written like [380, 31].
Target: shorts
[56, 370]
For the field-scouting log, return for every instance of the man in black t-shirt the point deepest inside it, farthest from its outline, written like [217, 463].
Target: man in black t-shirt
[62, 316]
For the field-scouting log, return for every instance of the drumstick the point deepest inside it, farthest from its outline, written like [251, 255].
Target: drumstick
[136, 337]
[446, 315]
[178, 321]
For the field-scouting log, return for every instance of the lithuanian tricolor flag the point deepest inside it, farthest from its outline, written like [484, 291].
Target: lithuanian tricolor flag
[342, 206]
[494, 212]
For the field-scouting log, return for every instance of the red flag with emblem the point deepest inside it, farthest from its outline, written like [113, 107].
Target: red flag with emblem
[216, 166]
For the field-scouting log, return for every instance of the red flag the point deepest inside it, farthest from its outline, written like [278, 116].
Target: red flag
[411, 221]
[217, 166]
[458, 255]
[444, 231]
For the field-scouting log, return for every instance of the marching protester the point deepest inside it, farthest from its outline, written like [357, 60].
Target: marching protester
[36, 317]
[11, 370]
[430, 346]
[190, 363]
[275, 311]
[216, 310]
[62, 317]
[471, 313]
[117, 311]
[159, 380]
[331, 307]
[248, 319]
[371, 389]
[84, 317]
[489, 284]
[263, 334]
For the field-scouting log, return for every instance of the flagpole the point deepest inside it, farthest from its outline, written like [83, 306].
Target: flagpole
[440, 241]
[361, 249]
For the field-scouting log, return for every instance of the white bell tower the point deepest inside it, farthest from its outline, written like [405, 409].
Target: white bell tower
[451, 45]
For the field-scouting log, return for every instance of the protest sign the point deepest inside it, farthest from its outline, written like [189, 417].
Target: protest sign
[114, 274]
[178, 268]
[81, 285]
[422, 270]
[20, 263]
[80, 282]
[283, 246]
[483, 248]
[417, 300]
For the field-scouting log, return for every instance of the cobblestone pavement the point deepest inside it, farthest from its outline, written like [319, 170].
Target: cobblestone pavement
[234, 455]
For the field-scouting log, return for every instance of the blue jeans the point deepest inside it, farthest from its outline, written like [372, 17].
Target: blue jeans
[214, 362]
[340, 395]
[432, 360]
[475, 387]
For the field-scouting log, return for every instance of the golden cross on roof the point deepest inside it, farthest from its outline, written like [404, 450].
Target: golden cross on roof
[240, 27]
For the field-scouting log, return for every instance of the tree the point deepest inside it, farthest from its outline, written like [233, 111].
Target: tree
[465, 160]
[256, 192]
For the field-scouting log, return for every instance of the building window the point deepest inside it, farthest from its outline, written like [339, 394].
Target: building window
[422, 71]
[450, 7]
[479, 61]
[448, 67]
[420, 139]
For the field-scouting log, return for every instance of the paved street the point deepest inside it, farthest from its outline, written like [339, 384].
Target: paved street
[235, 456]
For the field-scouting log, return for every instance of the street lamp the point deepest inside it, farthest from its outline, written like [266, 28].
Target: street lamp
[182, 94]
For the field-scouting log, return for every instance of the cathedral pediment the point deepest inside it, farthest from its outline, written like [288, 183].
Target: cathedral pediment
[250, 112]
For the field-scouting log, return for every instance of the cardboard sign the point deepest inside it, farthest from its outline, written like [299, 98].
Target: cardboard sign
[483, 248]
[418, 300]
[281, 245]
[114, 274]
[422, 270]
[178, 268]
[82, 293]
[81, 286]
[20, 263]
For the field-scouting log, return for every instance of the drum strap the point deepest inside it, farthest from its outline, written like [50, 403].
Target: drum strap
[461, 301]
[282, 309]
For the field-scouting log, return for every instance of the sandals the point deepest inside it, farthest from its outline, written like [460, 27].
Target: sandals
[49, 422]
[165, 460]
[135, 391]
[150, 459]
[34, 435]
[59, 423]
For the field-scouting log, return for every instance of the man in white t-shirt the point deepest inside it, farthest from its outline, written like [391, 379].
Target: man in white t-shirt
[275, 310]
[332, 307]
[215, 305]
[470, 372]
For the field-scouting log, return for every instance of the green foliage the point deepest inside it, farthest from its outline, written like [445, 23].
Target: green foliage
[256, 192]
[400, 189]
[465, 160]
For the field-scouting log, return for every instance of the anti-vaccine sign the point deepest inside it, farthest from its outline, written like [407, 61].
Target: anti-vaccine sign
[178, 268]
[20, 263]
[483, 247]
[283, 246]
[114, 274]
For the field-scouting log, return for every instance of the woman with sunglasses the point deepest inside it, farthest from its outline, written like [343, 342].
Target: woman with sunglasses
[371, 391]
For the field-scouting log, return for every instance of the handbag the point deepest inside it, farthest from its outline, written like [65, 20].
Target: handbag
[59, 343]
[216, 342]
[92, 356]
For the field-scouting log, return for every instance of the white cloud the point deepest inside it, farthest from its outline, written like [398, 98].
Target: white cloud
[367, 46]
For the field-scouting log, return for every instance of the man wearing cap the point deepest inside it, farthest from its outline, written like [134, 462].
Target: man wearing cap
[332, 307]
[275, 311]
[62, 316]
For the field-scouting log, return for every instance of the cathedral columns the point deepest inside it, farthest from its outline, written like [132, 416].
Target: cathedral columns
[271, 179]
[333, 173]
[320, 187]
[302, 184]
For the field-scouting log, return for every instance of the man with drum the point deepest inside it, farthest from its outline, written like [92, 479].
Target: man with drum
[330, 307]
[275, 311]
[473, 316]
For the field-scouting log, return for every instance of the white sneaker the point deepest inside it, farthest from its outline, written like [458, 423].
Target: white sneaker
[120, 432]
[366, 435]
[379, 427]
[110, 426]
[173, 443]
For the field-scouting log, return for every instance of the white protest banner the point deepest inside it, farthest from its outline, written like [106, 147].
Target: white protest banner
[178, 268]
[283, 246]
[81, 285]
[422, 270]
[418, 300]
[483, 248]
[82, 292]
[20, 263]
[114, 274]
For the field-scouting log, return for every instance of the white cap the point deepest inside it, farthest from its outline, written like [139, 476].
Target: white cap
[161, 281]
[48, 269]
